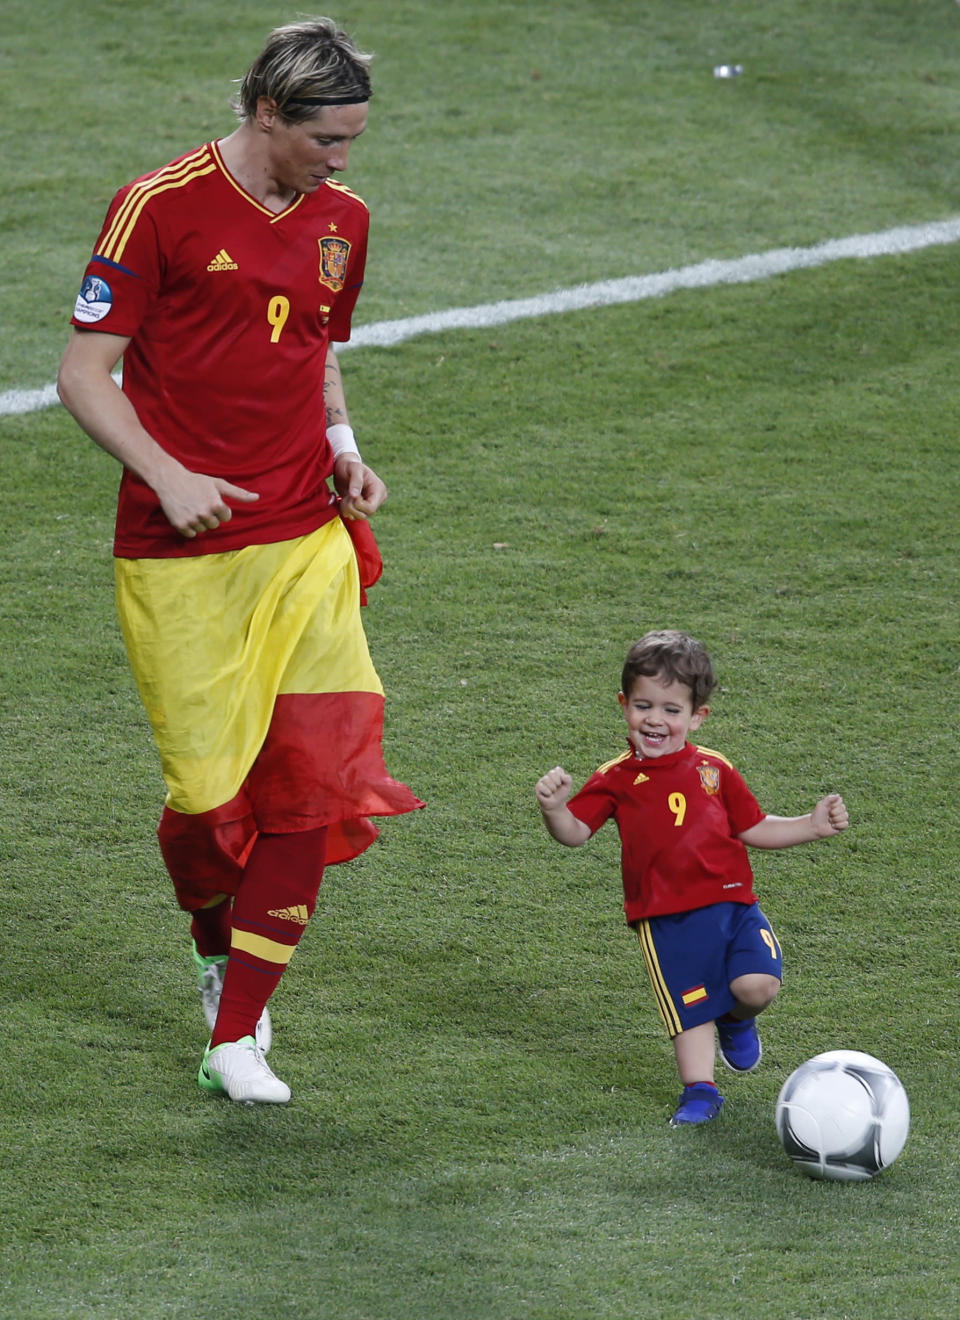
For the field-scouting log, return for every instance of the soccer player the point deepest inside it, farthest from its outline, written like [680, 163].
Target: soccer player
[684, 816]
[222, 281]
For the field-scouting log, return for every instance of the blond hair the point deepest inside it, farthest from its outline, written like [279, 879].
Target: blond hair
[302, 67]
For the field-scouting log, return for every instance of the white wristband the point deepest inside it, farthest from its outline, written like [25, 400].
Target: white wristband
[342, 441]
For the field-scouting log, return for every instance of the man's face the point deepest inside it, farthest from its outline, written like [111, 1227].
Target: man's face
[303, 156]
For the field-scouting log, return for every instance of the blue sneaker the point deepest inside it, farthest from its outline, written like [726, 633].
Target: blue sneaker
[698, 1104]
[740, 1047]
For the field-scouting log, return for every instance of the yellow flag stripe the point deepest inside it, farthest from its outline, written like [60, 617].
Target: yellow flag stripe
[288, 624]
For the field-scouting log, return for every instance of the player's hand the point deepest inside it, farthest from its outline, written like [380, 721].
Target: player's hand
[829, 816]
[360, 489]
[194, 503]
[553, 788]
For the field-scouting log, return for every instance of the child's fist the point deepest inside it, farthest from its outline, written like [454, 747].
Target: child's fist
[830, 816]
[553, 788]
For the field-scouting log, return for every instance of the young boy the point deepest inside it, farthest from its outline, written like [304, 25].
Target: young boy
[684, 815]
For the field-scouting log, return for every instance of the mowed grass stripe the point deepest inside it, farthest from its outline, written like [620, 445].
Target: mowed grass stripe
[606, 293]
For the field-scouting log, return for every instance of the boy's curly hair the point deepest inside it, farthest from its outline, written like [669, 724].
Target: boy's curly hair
[674, 656]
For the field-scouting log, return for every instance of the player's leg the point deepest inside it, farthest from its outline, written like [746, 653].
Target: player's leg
[700, 1100]
[274, 903]
[686, 965]
[755, 964]
[753, 992]
[193, 678]
[205, 856]
[695, 1053]
[210, 929]
[267, 724]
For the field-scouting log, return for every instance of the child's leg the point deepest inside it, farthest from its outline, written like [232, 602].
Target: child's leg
[695, 1051]
[740, 1046]
[700, 1101]
[753, 992]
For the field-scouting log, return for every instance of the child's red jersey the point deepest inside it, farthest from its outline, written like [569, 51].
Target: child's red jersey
[230, 309]
[679, 817]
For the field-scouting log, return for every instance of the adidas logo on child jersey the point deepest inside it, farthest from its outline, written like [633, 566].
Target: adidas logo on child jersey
[223, 261]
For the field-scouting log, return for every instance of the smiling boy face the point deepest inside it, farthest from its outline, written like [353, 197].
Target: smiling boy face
[659, 715]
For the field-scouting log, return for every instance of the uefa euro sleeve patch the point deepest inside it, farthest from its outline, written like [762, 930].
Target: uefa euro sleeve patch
[94, 300]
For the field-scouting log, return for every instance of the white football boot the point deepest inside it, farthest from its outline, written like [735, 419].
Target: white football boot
[239, 1070]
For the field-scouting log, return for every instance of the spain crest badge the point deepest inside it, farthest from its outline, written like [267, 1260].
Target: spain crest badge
[334, 254]
[709, 778]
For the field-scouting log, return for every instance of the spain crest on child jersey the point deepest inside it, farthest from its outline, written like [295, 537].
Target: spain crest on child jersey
[709, 778]
[334, 254]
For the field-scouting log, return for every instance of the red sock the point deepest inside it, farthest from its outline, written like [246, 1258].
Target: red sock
[210, 928]
[275, 901]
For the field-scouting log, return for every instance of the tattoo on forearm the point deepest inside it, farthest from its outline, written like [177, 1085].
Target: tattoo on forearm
[333, 393]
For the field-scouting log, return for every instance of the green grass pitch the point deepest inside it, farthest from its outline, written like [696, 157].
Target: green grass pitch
[481, 1085]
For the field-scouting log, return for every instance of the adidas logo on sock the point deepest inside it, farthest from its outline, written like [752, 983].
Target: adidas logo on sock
[223, 261]
[299, 914]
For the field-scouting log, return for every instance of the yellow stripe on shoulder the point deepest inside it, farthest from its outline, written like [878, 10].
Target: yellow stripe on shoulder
[608, 765]
[708, 751]
[348, 192]
[194, 166]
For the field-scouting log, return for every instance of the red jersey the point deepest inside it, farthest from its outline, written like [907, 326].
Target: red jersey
[230, 308]
[678, 817]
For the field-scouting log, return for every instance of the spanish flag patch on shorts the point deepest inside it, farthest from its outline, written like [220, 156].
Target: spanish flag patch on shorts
[695, 996]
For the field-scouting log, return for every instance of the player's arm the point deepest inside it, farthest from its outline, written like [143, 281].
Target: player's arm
[191, 501]
[360, 489]
[552, 791]
[828, 817]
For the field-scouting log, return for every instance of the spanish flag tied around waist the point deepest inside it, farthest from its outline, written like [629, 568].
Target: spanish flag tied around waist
[369, 562]
[270, 720]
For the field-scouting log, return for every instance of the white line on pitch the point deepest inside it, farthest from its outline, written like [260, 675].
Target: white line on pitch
[606, 293]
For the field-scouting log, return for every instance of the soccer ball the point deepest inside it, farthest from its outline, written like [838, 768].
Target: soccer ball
[843, 1115]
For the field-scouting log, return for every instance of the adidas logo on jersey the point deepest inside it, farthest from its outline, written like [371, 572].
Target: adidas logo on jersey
[223, 261]
[299, 914]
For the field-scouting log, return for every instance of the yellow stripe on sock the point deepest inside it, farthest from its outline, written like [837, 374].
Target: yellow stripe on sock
[269, 950]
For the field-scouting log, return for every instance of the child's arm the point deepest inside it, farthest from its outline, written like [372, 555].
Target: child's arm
[827, 818]
[552, 791]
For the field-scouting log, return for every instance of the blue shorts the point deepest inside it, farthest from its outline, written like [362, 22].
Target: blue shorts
[692, 957]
